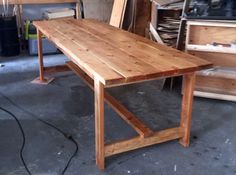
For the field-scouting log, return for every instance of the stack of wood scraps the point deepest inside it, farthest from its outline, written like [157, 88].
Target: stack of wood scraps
[168, 30]
[166, 16]
[59, 13]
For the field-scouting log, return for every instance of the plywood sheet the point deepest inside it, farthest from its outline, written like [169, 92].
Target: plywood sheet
[118, 11]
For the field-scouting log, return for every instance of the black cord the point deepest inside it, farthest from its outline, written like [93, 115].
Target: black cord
[23, 136]
[75, 152]
[67, 136]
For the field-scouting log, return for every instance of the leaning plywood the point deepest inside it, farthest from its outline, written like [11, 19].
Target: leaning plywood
[118, 13]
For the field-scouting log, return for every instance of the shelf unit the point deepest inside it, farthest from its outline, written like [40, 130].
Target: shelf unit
[219, 82]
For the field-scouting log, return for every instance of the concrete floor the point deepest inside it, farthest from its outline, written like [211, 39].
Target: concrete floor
[68, 103]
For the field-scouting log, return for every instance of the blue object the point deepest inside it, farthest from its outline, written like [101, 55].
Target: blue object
[48, 47]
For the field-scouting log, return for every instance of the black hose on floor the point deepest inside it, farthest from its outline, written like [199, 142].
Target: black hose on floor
[23, 138]
[67, 136]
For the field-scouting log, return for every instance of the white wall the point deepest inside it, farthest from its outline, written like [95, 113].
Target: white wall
[97, 9]
[32, 12]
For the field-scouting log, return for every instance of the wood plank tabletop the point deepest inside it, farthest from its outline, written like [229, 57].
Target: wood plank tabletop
[115, 56]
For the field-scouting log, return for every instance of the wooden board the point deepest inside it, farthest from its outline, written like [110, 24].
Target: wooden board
[143, 16]
[206, 34]
[154, 14]
[217, 96]
[218, 59]
[116, 56]
[118, 12]
[187, 104]
[138, 142]
[216, 84]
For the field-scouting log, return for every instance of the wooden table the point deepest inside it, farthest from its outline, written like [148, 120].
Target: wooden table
[105, 56]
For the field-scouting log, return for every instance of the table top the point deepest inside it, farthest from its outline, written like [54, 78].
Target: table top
[114, 56]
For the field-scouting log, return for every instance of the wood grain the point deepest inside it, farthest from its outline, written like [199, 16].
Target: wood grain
[138, 142]
[116, 56]
[82, 56]
[118, 12]
[218, 59]
[40, 55]
[203, 35]
[216, 84]
[187, 103]
[99, 123]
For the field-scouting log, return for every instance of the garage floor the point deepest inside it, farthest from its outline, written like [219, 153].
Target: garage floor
[68, 103]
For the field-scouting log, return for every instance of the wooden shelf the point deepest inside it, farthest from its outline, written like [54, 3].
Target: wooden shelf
[213, 95]
[219, 82]
[204, 48]
[220, 72]
[213, 23]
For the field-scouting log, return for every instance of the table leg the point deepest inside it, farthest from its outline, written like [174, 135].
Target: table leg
[40, 56]
[99, 123]
[41, 79]
[187, 102]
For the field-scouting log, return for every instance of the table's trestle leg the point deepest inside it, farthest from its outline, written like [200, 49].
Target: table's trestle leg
[187, 103]
[142, 129]
[146, 136]
[41, 79]
[99, 123]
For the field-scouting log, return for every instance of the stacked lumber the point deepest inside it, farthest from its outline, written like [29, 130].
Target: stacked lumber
[59, 13]
[167, 21]
[168, 29]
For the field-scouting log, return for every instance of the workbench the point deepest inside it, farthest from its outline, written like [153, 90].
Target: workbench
[105, 56]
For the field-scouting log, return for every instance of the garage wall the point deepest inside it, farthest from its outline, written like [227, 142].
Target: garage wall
[32, 12]
[97, 9]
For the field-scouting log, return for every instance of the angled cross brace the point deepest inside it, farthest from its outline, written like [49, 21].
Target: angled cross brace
[126, 115]
[146, 136]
